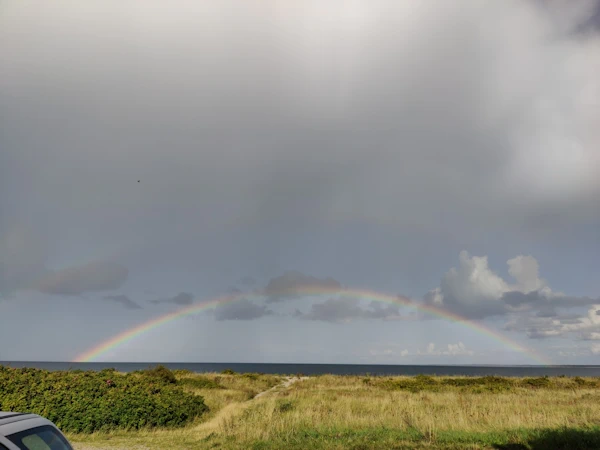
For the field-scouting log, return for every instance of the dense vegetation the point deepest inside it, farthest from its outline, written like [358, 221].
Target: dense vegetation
[79, 401]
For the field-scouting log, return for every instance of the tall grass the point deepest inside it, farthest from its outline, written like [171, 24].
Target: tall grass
[384, 412]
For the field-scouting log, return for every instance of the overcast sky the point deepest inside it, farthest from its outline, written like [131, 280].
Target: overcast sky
[155, 155]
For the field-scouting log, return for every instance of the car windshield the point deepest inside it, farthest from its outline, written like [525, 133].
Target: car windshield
[40, 438]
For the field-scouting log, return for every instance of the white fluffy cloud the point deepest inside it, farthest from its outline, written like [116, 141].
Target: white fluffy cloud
[472, 285]
[525, 269]
[458, 349]
[449, 350]
[586, 327]
[475, 290]
[592, 335]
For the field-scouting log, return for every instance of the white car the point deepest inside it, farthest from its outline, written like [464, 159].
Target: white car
[20, 431]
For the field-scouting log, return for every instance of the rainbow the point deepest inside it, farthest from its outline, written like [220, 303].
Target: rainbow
[314, 291]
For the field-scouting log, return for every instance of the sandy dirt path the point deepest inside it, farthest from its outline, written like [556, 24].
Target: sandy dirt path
[284, 385]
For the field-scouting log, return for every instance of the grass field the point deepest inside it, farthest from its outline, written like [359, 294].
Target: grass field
[350, 412]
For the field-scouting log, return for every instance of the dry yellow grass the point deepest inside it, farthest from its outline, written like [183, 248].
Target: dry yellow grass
[326, 403]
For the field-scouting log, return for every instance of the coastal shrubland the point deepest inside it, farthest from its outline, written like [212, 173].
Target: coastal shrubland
[362, 412]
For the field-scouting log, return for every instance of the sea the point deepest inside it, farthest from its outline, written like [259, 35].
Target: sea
[322, 369]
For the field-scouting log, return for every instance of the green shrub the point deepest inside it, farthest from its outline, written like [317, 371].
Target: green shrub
[425, 380]
[410, 385]
[414, 384]
[84, 402]
[200, 382]
[426, 383]
[284, 406]
[105, 372]
[160, 373]
[479, 384]
[251, 376]
[540, 382]
[228, 372]
[583, 383]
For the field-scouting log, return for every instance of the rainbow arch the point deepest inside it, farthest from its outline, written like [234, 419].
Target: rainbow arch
[309, 291]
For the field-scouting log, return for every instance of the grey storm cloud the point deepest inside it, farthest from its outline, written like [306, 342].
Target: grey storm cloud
[248, 281]
[348, 309]
[91, 277]
[293, 283]
[183, 298]
[547, 312]
[23, 265]
[243, 309]
[23, 257]
[372, 136]
[123, 300]
[234, 290]
[375, 118]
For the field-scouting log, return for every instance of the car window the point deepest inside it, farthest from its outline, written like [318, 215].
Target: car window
[40, 438]
[3, 447]
[35, 442]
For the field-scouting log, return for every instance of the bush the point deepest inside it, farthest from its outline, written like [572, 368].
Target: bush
[540, 382]
[228, 372]
[284, 406]
[84, 402]
[160, 373]
[425, 380]
[480, 384]
[583, 383]
[200, 382]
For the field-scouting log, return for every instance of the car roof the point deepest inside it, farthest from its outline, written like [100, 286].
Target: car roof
[7, 416]
[11, 422]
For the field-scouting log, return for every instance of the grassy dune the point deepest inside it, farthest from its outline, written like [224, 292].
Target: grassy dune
[347, 412]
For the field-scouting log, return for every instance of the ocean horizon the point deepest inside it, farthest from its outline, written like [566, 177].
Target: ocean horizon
[323, 369]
